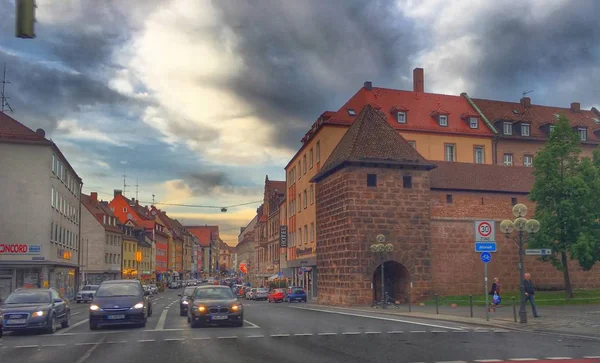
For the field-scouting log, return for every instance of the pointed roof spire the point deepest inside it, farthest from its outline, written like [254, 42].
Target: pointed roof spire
[370, 140]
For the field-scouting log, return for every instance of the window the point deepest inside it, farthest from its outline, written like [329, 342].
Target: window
[299, 236]
[53, 201]
[443, 120]
[312, 194]
[305, 200]
[299, 169]
[299, 203]
[478, 155]
[524, 129]
[473, 122]
[413, 144]
[304, 160]
[527, 160]
[407, 181]
[371, 180]
[508, 159]
[450, 152]
[310, 158]
[513, 201]
[312, 232]
[401, 117]
[449, 198]
[351, 112]
[51, 231]
[582, 133]
[54, 163]
[305, 234]
[124, 210]
[507, 128]
[106, 258]
[318, 150]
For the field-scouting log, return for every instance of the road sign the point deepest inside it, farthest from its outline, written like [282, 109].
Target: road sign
[539, 252]
[485, 231]
[485, 257]
[485, 246]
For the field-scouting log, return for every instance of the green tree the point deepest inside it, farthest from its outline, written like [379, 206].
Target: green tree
[566, 192]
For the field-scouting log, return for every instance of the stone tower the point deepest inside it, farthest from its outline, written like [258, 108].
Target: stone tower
[373, 183]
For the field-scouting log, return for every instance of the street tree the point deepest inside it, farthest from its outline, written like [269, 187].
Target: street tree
[567, 196]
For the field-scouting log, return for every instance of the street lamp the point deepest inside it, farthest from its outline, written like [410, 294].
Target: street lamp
[525, 228]
[381, 249]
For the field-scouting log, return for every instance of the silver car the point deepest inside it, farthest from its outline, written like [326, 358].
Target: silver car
[260, 294]
[86, 293]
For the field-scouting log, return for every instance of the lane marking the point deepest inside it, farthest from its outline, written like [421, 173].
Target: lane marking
[395, 332]
[592, 357]
[326, 334]
[351, 333]
[160, 325]
[452, 361]
[89, 352]
[255, 336]
[202, 338]
[379, 318]
[26, 346]
[231, 337]
[173, 340]
[77, 313]
[522, 359]
[303, 335]
[372, 332]
[439, 331]
[253, 325]
[73, 326]
[159, 330]
[53, 345]
[87, 343]
[116, 342]
[146, 340]
[279, 335]
[418, 331]
[487, 360]
[557, 358]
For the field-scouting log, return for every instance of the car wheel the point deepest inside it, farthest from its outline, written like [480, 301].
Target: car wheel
[93, 326]
[66, 322]
[51, 329]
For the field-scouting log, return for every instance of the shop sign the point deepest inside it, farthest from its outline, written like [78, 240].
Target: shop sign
[283, 236]
[19, 249]
[64, 254]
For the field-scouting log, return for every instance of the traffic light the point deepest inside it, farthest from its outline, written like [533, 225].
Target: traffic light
[25, 18]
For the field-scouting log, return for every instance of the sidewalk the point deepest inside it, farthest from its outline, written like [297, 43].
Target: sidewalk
[581, 320]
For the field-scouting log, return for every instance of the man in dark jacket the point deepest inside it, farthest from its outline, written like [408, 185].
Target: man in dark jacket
[530, 294]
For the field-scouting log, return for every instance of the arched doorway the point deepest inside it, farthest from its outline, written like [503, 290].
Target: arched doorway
[396, 280]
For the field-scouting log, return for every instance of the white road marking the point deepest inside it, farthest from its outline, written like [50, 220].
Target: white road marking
[202, 338]
[395, 332]
[159, 330]
[418, 331]
[351, 333]
[303, 335]
[487, 360]
[452, 361]
[521, 359]
[77, 313]
[255, 336]
[253, 325]
[439, 331]
[160, 325]
[378, 318]
[592, 357]
[53, 345]
[173, 340]
[87, 343]
[117, 342]
[460, 331]
[326, 333]
[372, 332]
[231, 337]
[146, 340]
[89, 352]
[556, 358]
[63, 331]
[279, 335]
[26, 346]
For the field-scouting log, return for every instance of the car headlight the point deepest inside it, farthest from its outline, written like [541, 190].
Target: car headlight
[201, 309]
[38, 313]
[185, 302]
[138, 306]
[236, 308]
[94, 307]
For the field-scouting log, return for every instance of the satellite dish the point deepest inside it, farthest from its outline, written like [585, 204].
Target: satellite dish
[129, 216]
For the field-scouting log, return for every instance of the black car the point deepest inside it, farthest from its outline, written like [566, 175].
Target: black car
[26, 309]
[120, 302]
[215, 304]
[185, 300]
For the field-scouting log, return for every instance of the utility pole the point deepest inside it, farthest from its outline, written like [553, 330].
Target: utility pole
[3, 99]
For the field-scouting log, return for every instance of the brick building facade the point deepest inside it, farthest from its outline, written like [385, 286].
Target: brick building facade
[374, 183]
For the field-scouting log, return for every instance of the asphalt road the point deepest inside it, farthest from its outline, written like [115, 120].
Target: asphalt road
[288, 333]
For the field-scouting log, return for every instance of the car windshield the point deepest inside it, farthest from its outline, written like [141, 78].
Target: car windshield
[127, 289]
[90, 288]
[214, 294]
[297, 291]
[28, 297]
[262, 290]
[278, 290]
[188, 291]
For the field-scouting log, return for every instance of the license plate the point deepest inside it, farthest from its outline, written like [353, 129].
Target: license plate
[115, 317]
[219, 317]
[15, 321]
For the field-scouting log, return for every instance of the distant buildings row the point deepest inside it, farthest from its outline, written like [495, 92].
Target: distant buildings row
[51, 234]
[284, 237]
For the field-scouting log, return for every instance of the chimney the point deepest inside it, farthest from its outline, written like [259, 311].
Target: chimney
[575, 106]
[94, 197]
[526, 102]
[117, 192]
[368, 85]
[418, 80]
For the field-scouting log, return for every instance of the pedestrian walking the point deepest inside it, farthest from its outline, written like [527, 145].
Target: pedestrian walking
[530, 294]
[495, 293]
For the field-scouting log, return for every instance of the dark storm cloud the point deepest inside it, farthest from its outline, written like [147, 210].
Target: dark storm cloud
[305, 57]
[213, 182]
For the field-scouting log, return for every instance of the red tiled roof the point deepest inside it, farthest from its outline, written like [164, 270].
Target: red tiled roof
[203, 233]
[12, 130]
[372, 139]
[420, 110]
[99, 209]
[481, 177]
[537, 115]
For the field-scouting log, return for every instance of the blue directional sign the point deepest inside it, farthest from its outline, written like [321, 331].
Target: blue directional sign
[485, 246]
[485, 257]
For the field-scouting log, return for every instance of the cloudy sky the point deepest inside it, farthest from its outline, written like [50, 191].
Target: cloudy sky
[196, 100]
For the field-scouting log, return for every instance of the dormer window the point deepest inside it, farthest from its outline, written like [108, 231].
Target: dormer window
[473, 122]
[552, 128]
[401, 117]
[351, 112]
[582, 133]
[443, 120]
[507, 128]
[524, 129]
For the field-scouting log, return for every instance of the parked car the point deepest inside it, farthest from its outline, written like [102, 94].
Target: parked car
[32, 309]
[250, 293]
[153, 289]
[120, 302]
[215, 305]
[186, 297]
[86, 293]
[276, 295]
[261, 293]
[174, 285]
[295, 293]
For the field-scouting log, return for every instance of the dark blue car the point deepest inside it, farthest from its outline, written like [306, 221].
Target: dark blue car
[295, 293]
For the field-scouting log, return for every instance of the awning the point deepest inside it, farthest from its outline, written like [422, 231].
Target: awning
[273, 277]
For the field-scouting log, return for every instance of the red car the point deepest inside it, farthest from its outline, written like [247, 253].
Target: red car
[276, 295]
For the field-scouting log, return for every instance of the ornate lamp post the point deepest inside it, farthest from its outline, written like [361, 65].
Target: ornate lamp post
[525, 227]
[381, 249]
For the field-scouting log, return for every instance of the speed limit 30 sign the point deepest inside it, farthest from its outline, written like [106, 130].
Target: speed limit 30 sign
[485, 231]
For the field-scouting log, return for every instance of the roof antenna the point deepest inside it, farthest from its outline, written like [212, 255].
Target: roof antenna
[3, 99]
[526, 93]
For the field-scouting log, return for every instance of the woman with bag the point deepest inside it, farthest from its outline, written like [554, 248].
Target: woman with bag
[495, 293]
